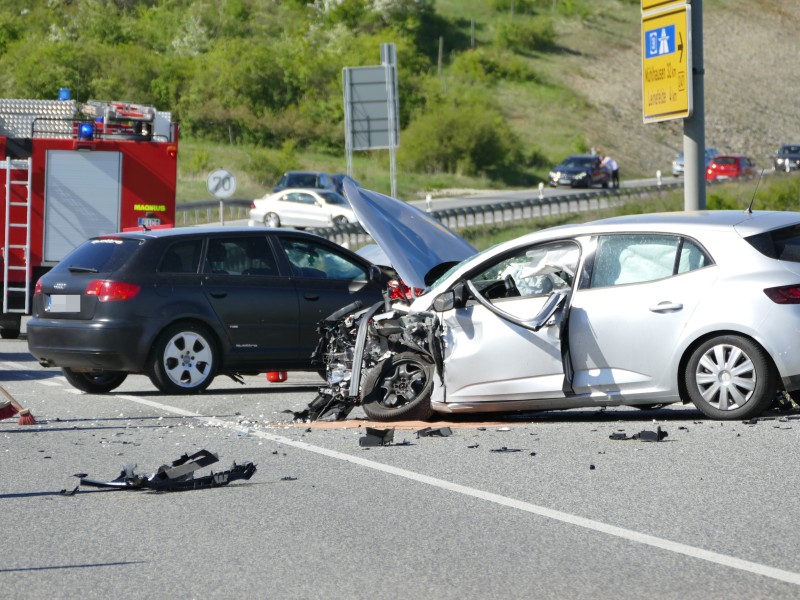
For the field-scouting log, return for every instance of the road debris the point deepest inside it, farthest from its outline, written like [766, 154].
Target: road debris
[506, 449]
[177, 477]
[376, 437]
[431, 432]
[642, 436]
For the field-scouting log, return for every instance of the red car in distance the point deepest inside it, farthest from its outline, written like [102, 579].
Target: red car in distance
[730, 166]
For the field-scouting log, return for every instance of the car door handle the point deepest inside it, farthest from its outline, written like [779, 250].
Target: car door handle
[663, 307]
[311, 297]
[219, 294]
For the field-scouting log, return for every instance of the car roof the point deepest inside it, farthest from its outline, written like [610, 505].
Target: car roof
[177, 232]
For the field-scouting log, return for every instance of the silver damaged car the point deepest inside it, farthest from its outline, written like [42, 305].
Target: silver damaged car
[641, 310]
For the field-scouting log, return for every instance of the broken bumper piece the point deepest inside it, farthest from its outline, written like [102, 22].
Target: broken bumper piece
[177, 477]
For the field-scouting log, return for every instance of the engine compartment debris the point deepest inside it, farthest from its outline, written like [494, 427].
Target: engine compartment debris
[178, 476]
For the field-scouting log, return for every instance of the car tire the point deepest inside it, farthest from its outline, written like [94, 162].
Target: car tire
[95, 382]
[9, 334]
[272, 220]
[399, 388]
[730, 377]
[184, 359]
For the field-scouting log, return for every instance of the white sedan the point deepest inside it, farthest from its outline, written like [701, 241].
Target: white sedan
[301, 208]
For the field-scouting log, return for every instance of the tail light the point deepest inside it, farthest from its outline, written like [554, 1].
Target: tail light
[400, 291]
[111, 291]
[37, 288]
[787, 294]
[252, 205]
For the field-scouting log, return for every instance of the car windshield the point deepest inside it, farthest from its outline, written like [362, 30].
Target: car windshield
[790, 150]
[302, 180]
[725, 160]
[577, 162]
[100, 255]
[334, 198]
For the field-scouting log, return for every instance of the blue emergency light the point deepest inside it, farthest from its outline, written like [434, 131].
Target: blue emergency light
[86, 131]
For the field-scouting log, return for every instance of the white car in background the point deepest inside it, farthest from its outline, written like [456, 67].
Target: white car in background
[301, 208]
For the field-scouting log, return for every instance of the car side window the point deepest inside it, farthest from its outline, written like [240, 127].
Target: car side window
[533, 271]
[183, 257]
[310, 259]
[240, 256]
[638, 258]
[306, 199]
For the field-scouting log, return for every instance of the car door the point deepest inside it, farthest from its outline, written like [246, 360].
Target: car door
[325, 278]
[490, 357]
[627, 316]
[256, 305]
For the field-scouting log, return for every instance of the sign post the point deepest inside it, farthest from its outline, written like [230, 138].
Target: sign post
[221, 184]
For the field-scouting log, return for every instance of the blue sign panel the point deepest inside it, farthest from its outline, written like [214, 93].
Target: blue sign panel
[660, 42]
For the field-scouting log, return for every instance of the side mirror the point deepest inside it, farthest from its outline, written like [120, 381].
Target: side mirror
[456, 297]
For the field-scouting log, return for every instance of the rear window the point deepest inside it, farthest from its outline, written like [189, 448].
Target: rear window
[780, 244]
[100, 255]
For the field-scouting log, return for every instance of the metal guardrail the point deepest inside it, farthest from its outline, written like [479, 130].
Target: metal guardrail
[353, 235]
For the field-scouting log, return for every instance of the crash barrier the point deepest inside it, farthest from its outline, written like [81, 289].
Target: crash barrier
[353, 235]
[206, 212]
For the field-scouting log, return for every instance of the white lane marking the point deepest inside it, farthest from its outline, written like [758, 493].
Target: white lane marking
[620, 532]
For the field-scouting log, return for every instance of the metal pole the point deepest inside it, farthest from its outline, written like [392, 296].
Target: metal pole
[694, 134]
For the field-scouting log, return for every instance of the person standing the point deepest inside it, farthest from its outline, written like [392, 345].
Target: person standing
[612, 167]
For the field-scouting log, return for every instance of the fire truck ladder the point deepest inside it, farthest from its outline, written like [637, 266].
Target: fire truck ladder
[18, 172]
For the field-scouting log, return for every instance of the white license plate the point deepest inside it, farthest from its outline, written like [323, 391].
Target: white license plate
[63, 303]
[149, 221]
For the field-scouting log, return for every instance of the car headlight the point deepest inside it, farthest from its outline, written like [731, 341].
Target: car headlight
[780, 161]
[581, 175]
[553, 175]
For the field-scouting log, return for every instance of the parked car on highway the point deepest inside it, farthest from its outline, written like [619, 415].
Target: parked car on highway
[580, 170]
[788, 158]
[185, 305]
[305, 179]
[641, 310]
[678, 166]
[301, 208]
[730, 166]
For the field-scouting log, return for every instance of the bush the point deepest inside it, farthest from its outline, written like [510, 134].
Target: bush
[462, 139]
[525, 35]
[488, 66]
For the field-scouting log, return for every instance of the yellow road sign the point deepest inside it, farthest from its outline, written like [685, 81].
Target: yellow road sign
[666, 64]
[648, 5]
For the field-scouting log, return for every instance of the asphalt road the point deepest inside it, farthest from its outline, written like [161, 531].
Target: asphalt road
[564, 512]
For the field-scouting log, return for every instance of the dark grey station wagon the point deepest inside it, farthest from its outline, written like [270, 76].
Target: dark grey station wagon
[184, 305]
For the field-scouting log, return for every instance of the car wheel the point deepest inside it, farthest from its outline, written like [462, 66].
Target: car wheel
[8, 333]
[605, 185]
[184, 359]
[399, 388]
[272, 220]
[729, 377]
[95, 382]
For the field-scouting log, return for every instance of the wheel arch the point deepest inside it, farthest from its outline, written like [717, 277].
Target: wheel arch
[687, 353]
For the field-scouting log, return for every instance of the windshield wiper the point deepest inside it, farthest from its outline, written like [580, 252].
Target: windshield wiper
[73, 269]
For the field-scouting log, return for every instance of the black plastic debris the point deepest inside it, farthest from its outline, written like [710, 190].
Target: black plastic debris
[288, 478]
[376, 437]
[506, 449]
[178, 476]
[431, 432]
[473, 446]
[642, 436]
[66, 492]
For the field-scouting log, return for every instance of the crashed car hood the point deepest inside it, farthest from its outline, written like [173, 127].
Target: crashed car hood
[413, 241]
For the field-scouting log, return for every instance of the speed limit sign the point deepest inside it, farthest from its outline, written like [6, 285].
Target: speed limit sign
[221, 183]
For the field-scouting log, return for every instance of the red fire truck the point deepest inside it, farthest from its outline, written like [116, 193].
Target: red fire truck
[71, 171]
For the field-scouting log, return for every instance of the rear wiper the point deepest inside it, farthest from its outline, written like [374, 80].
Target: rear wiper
[73, 269]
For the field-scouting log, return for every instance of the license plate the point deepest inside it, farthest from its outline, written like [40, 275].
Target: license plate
[63, 303]
[149, 221]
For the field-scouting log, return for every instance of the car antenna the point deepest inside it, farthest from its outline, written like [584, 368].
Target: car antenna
[749, 210]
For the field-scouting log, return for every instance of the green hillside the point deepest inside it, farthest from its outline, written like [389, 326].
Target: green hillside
[492, 92]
